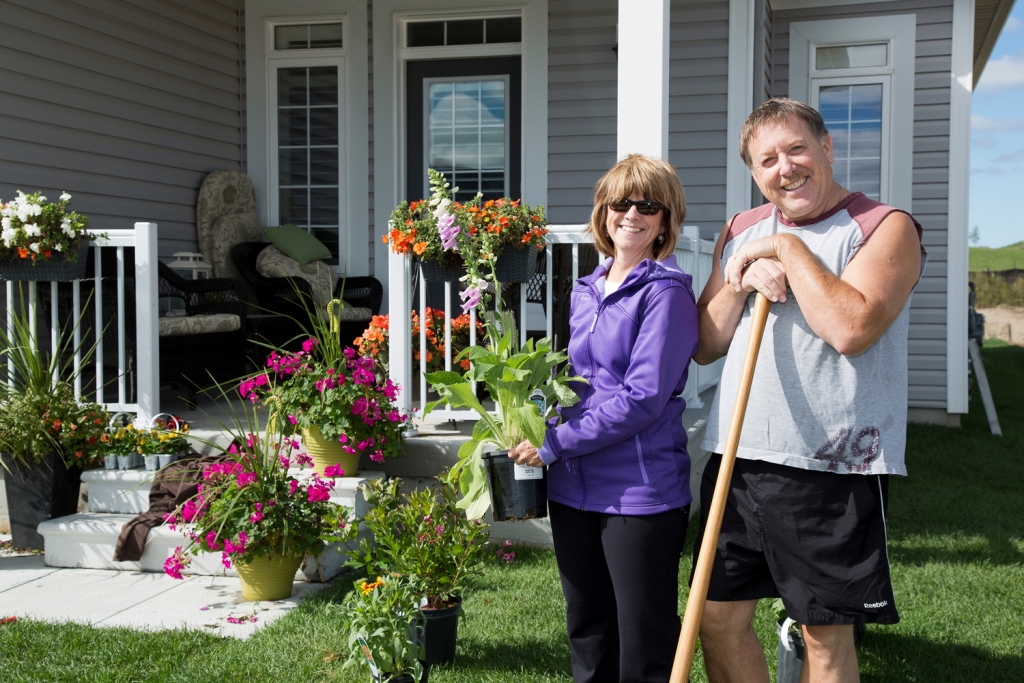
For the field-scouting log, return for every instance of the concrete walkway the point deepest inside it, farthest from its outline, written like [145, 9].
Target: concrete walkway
[140, 600]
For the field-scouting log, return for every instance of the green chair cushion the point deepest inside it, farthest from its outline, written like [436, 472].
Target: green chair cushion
[296, 243]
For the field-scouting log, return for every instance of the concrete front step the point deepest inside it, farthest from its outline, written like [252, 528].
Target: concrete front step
[87, 541]
[127, 491]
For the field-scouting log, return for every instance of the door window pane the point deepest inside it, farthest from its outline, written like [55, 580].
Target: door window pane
[466, 135]
[853, 116]
[308, 123]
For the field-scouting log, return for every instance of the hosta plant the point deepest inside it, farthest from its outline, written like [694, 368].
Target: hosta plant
[511, 373]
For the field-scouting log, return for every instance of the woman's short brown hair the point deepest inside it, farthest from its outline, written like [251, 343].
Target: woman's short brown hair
[654, 179]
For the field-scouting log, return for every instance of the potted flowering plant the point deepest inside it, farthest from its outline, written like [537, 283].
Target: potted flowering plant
[447, 236]
[373, 343]
[424, 538]
[332, 396]
[42, 240]
[47, 434]
[381, 618]
[257, 515]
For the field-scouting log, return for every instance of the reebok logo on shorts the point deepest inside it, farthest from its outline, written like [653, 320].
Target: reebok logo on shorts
[875, 605]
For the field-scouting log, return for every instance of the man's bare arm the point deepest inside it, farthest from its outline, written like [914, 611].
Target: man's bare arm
[850, 313]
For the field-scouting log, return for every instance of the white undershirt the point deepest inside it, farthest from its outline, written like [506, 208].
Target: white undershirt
[610, 287]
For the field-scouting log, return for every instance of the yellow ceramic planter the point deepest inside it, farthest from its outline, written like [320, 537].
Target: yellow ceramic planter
[268, 578]
[325, 452]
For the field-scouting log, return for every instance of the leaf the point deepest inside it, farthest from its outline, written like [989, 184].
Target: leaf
[514, 375]
[566, 396]
[473, 482]
[443, 377]
[529, 420]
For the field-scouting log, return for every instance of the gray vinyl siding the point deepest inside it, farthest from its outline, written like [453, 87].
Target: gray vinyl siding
[582, 101]
[931, 172]
[125, 104]
[698, 106]
[369, 135]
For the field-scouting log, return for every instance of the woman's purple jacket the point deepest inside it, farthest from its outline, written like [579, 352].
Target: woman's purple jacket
[622, 449]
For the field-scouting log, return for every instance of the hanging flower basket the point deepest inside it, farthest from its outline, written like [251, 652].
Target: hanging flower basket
[57, 267]
[434, 271]
[516, 265]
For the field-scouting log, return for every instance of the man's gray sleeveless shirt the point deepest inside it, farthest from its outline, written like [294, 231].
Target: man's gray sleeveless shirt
[811, 407]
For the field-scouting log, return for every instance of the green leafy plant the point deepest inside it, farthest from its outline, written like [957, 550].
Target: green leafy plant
[511, 373]
[422, 537]
[38, 408]
[33, 228]
[384, 630]
[250, 505]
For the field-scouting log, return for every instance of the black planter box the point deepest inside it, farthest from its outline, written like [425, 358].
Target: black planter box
[513, 499]
[38, 492]
[57, 267]
[440, 630]
[516, 265]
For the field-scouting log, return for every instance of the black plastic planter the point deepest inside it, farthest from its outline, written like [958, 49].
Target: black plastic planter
[38, 492]
[440, 630]
[790, 653]
[513, 499]
[516, 265]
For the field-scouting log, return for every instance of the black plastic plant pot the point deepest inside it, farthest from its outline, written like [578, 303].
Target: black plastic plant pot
[57, 267]
[513, 499]
[440, 631]
[434, 271]
[37, 492]
[388, 678]
[516, 265]
[790, 653]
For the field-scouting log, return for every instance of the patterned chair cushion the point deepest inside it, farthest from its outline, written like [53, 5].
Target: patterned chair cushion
[322, 280]
[227, 231]
[225, 193]
[198, 324]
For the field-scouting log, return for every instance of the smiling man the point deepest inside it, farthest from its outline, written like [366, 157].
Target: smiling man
[826, 422]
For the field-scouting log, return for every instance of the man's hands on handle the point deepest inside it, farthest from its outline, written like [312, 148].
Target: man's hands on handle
[850, 312]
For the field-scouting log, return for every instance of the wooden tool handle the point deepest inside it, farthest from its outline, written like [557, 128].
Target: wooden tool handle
[705, 560]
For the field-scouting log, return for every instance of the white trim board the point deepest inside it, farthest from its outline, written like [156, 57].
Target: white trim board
[388, 92]
[961, 85]
[901, 32]
[740, 102]
[354, 159]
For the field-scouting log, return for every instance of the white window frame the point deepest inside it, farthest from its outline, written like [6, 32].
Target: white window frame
[274, 64]
[261, 100]
[897, 77]
[886, 83]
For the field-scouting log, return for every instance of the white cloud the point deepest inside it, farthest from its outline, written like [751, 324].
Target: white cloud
[1005, 73]
[1011, 158]
[979, 122]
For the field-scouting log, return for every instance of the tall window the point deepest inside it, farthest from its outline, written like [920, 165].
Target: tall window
[466, 134]
[307, 143]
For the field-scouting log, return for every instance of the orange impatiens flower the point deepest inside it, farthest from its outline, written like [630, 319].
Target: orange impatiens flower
[419, 248]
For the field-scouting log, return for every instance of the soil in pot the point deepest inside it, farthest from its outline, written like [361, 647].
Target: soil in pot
[268, 578]
[440, 631]
[37, 492]
[513, 499]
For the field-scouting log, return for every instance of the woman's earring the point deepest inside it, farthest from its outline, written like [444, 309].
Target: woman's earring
[661, 238]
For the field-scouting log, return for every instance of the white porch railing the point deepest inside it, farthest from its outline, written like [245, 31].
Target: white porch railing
[143, 238]
[693, 254]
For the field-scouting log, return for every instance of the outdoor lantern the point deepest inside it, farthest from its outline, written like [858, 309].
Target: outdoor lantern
[190, 265]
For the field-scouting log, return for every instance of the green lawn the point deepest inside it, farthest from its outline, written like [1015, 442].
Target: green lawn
[1004, 258]
[956, 544]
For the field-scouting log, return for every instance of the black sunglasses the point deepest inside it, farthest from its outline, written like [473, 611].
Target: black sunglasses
[645, 207]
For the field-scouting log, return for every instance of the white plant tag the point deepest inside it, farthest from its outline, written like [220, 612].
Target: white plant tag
[529, 472]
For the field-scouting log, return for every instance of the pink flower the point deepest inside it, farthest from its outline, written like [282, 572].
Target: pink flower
[318, 491]
[470, 298]
[292, 487]
[171, 522]
[285, 462]
[245, 478]
[258, 515]
[291, 418]
[377, 456]
[212, 542]
[225, 560]
[303, 459]
[447, 230]
[349, 352]
[342, 438]
[310, 344]
[390, 390]
[175, 563]
[190, 511]
[334, 471]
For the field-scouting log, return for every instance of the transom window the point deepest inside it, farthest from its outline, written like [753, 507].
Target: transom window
[308, 36]
[308, 151]
[466, 134]
[851, 56]
[464, 32]
[853, 116]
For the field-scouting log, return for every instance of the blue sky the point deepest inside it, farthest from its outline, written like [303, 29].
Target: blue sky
[997, 140]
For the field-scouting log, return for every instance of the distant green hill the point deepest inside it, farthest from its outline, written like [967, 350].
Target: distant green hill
[1005, 258]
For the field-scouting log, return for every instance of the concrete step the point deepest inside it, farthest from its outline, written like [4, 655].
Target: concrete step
[87, 541]
[127, 491]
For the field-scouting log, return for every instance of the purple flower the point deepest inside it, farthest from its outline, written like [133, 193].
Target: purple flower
[470, 298]
[447, 230]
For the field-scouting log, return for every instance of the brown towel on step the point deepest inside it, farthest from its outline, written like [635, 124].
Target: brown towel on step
[172, 486]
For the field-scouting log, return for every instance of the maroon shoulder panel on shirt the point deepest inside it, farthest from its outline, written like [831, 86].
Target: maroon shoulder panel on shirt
[748, 219]
[869, 214]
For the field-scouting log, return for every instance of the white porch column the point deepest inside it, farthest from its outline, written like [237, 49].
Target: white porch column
[399, 330]
[740, 103]
[147, 338]
[643, 54]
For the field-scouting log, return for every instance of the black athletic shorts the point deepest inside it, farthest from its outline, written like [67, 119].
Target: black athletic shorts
[815, 539]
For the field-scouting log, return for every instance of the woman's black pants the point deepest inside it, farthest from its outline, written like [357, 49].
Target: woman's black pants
[620, 577]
